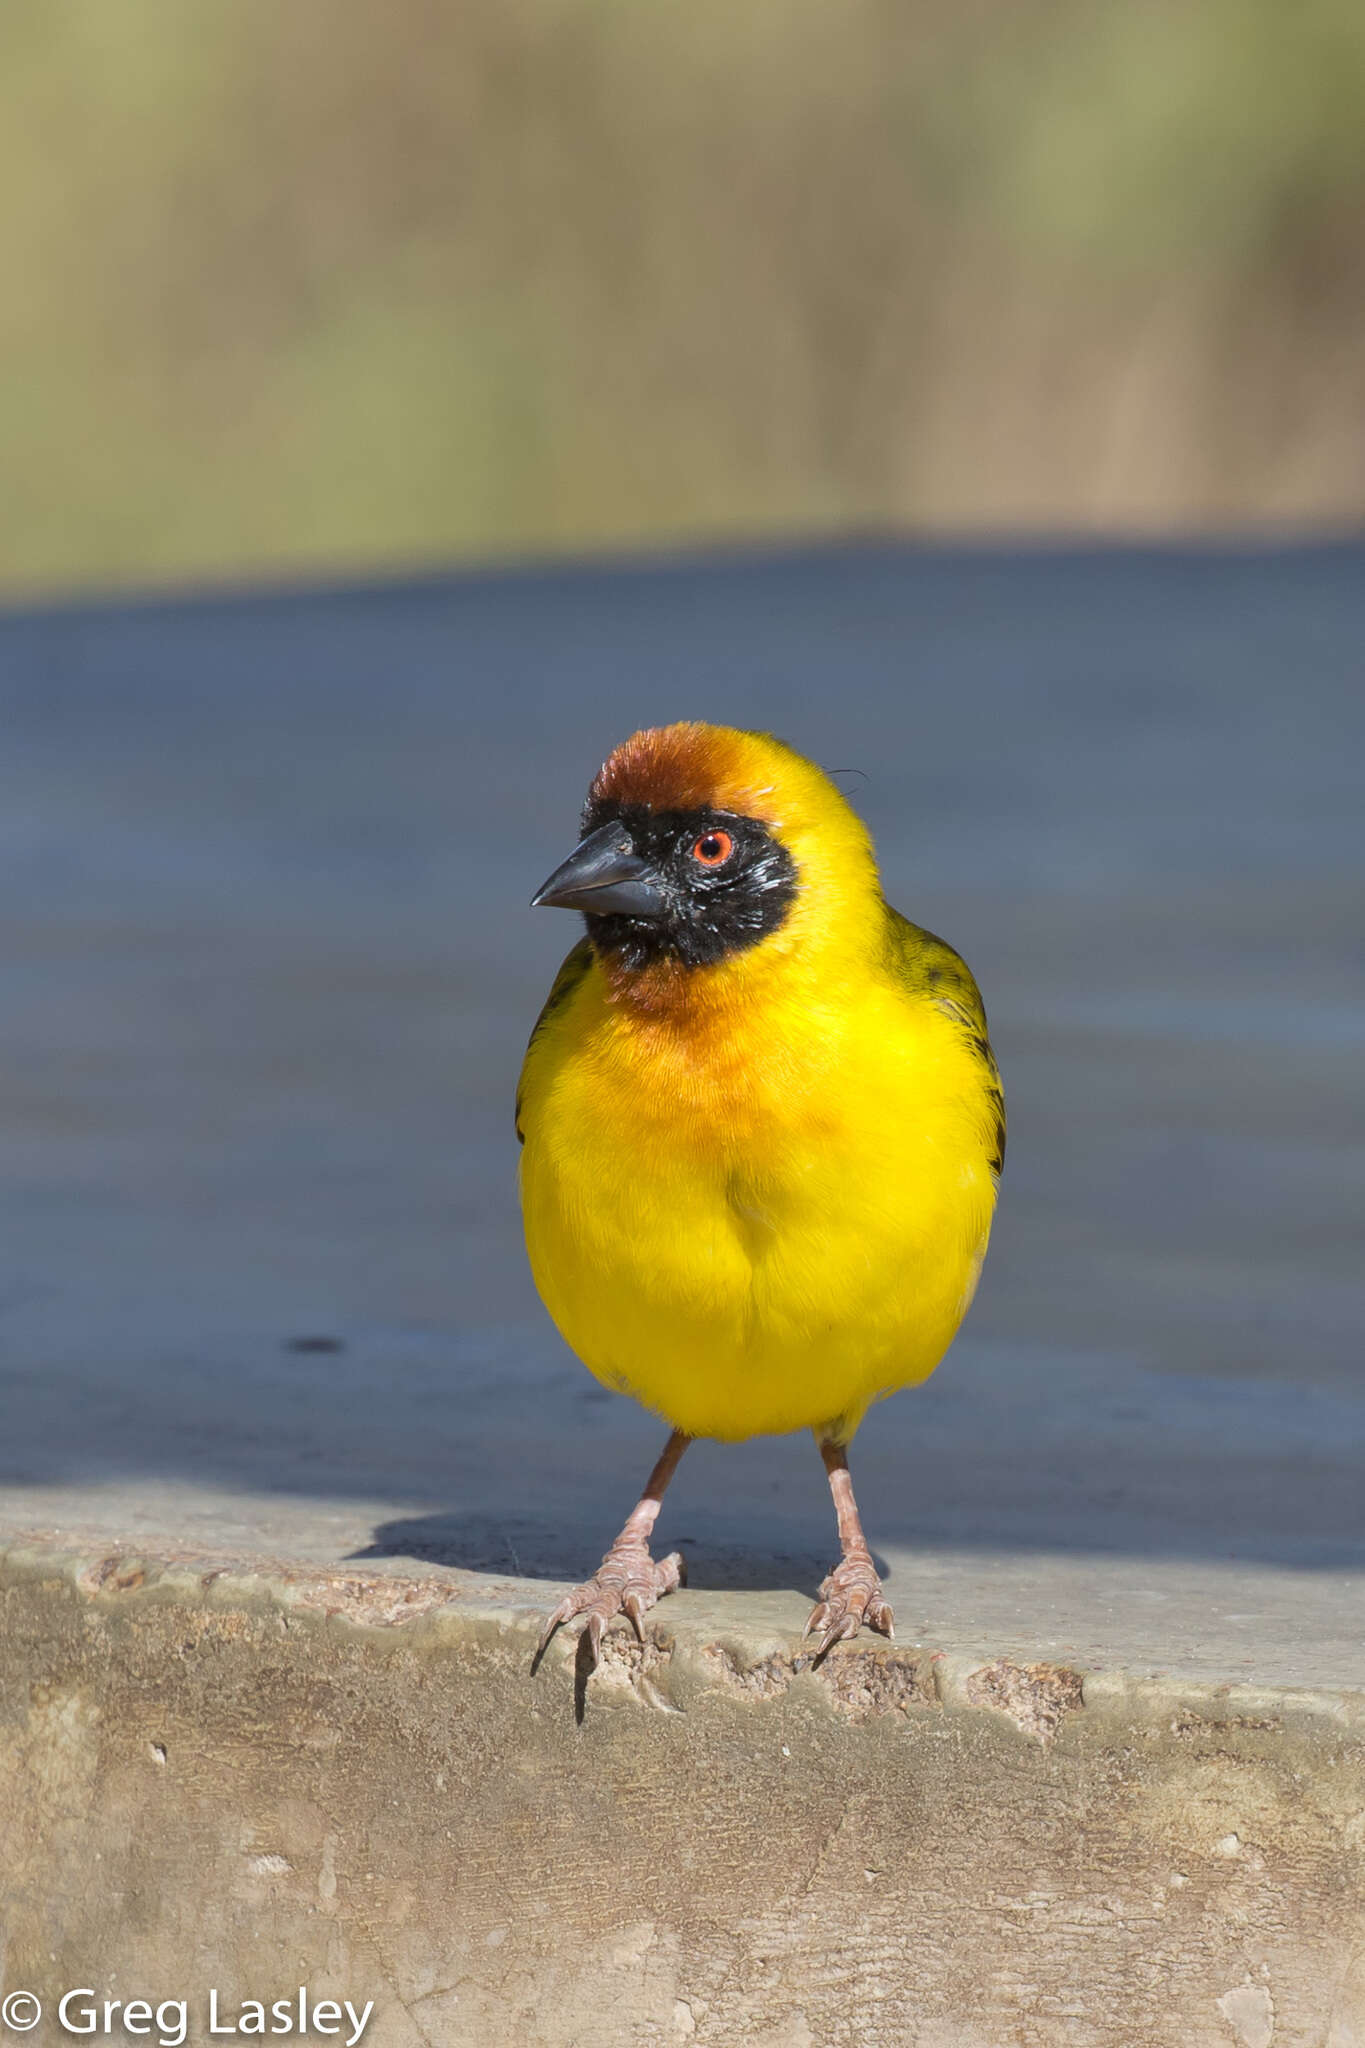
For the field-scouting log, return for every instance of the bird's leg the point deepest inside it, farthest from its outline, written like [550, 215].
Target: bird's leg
[627, 1581]
[852, 1594]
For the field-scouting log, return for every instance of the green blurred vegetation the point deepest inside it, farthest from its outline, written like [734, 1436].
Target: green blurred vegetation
[320, 285]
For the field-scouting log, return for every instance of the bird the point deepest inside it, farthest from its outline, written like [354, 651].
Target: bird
[762, 1129]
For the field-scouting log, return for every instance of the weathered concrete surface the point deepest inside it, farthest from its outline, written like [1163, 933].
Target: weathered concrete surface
[213, 1778]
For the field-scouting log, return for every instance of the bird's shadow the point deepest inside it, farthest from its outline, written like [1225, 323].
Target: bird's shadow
[526, 1547]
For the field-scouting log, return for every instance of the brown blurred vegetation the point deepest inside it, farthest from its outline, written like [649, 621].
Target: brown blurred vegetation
[321, 284]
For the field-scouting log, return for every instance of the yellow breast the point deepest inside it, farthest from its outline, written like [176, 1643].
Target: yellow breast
[757, 1213]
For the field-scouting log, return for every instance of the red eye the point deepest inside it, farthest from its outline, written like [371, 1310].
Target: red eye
[713, 849]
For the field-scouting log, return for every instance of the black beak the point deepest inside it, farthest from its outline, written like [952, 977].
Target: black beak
[605, 876]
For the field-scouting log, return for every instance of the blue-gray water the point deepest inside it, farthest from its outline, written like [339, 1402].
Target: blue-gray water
[268, 971]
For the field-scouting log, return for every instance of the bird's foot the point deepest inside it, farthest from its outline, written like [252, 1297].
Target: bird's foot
[850, 1598]
[628, 1582]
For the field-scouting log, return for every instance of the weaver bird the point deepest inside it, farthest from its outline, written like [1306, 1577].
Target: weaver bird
[762, 1129]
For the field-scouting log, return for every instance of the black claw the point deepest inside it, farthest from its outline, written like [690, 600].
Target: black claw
[556, 1621]
[819, 1619]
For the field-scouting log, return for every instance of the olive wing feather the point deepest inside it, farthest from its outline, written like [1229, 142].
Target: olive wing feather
[928, 967]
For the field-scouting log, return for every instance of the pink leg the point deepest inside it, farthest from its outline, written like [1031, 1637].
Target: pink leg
[852, 1594]
[627, 1581]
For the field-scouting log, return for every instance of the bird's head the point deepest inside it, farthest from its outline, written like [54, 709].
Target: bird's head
[705, 848]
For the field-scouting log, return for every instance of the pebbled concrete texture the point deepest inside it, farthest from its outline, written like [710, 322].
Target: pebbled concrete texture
[213, 1776]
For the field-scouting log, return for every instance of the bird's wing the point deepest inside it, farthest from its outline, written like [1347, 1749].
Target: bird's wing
[572, 971]
[928, 967]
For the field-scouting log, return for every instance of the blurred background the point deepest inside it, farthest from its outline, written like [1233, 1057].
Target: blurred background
[398, 405]
[305, 287]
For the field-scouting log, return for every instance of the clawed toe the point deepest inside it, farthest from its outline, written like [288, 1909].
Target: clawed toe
[851, 1598]
[627, 1582]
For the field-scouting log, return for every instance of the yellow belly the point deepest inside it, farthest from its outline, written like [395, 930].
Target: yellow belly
[759, 1237]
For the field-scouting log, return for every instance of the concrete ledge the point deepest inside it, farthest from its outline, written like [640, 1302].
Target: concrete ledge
[250, 1777]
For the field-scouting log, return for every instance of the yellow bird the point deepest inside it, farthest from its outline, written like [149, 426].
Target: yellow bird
[762, 1129]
